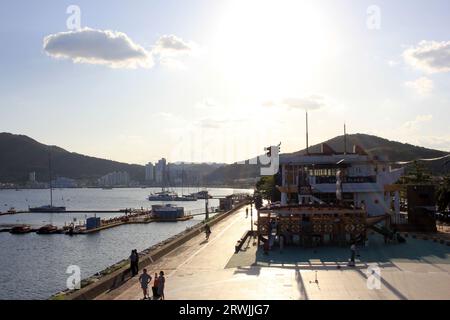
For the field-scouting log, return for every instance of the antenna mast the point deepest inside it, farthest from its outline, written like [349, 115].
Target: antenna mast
[50, 174]
[307, 143]
[345, 139]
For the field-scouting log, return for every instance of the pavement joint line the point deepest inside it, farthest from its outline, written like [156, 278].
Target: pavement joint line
[205, 246]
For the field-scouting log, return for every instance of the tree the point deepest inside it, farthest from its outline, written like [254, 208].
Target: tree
[417, 174]
[443, 194]
[266, 187]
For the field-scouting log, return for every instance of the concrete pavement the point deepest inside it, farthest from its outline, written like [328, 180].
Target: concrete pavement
[201, 270]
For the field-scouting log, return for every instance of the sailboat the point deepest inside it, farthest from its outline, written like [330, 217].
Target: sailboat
[49, 208]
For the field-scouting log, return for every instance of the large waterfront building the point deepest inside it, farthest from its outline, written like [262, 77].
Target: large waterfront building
[355, 178]
[115, 179]
[149, 172]
[161, 171]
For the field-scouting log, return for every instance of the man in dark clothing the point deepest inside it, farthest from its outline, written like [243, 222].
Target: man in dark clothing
[136, 270]
[134, 263]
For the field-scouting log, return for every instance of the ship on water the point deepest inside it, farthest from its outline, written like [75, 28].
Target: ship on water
[164, 195]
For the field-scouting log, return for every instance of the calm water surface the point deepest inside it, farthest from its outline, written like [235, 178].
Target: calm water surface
[34, 266]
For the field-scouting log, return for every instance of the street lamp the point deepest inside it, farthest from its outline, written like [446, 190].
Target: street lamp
[251, 216]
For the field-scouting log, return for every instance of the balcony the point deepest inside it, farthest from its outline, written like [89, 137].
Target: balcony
[332, 179]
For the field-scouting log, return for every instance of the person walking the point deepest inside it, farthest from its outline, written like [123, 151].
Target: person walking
[155, 287]
[207, 231]
[246, 213]
[161, 284]
[144, 280]
[133, 259]
[353, 254]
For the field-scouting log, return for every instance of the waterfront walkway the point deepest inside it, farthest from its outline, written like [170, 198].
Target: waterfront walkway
[201, 270]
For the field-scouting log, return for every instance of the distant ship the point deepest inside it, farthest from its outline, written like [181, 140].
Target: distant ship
[168, 196]
[49, 208]
[163, 196]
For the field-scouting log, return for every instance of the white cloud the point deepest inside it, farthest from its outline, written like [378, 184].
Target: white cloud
[115, 49]
[429, 56]
[422, 86]
[413, 124]
[171, 45]
[308, 103]
[105, 47]
[313, 102]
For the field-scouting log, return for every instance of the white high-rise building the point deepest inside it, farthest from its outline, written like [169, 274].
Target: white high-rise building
[160, 171]
[149, 172]
[32, 177]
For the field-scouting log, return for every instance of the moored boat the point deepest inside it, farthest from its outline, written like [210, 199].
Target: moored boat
[201, 195]
[163, 196]
[47, 229]
[48, 209]
[20, 229]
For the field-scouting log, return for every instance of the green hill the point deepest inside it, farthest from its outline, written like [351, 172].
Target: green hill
[20, 155]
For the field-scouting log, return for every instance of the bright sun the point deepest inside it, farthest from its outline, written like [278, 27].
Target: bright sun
[272, 46]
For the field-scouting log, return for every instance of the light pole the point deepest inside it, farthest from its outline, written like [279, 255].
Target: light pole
[251, 216]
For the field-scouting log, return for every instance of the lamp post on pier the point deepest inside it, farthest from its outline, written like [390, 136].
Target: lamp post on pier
[251, 215]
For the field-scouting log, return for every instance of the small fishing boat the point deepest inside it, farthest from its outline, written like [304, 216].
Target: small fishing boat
[20, 229]
[47, 229]
[11, 211]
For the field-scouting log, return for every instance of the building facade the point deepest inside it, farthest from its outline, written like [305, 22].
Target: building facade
[355, 179]
[149, 172]
[161, 171]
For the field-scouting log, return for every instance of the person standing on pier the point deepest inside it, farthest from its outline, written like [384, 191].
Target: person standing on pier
[155, 287]
[136, 266]
[145, 279]
[353, 254]
[133, 263]
[161, 283]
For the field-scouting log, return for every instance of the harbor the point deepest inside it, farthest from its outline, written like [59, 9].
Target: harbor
[31, 250]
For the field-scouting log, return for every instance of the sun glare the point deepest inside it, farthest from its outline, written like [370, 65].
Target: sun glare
[273, 47]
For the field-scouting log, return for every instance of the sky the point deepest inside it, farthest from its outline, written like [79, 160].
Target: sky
[217, 81]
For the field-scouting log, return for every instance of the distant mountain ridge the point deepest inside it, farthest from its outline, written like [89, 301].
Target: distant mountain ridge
[20, 155]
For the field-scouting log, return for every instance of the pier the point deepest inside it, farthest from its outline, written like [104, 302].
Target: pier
[132, 216]
[197, 269]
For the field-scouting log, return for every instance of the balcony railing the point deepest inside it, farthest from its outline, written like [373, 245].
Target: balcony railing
[332, 179]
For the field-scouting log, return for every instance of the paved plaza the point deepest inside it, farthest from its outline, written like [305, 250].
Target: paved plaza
[201, 270]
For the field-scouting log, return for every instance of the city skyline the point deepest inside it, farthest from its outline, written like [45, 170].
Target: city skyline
[205, 81]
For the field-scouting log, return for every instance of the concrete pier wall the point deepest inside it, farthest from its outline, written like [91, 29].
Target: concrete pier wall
[118, 277]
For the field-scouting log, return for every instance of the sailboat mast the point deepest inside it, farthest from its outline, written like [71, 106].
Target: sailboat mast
[50, 175]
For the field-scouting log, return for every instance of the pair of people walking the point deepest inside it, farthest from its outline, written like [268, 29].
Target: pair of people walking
[158, 285]
[134, 262]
